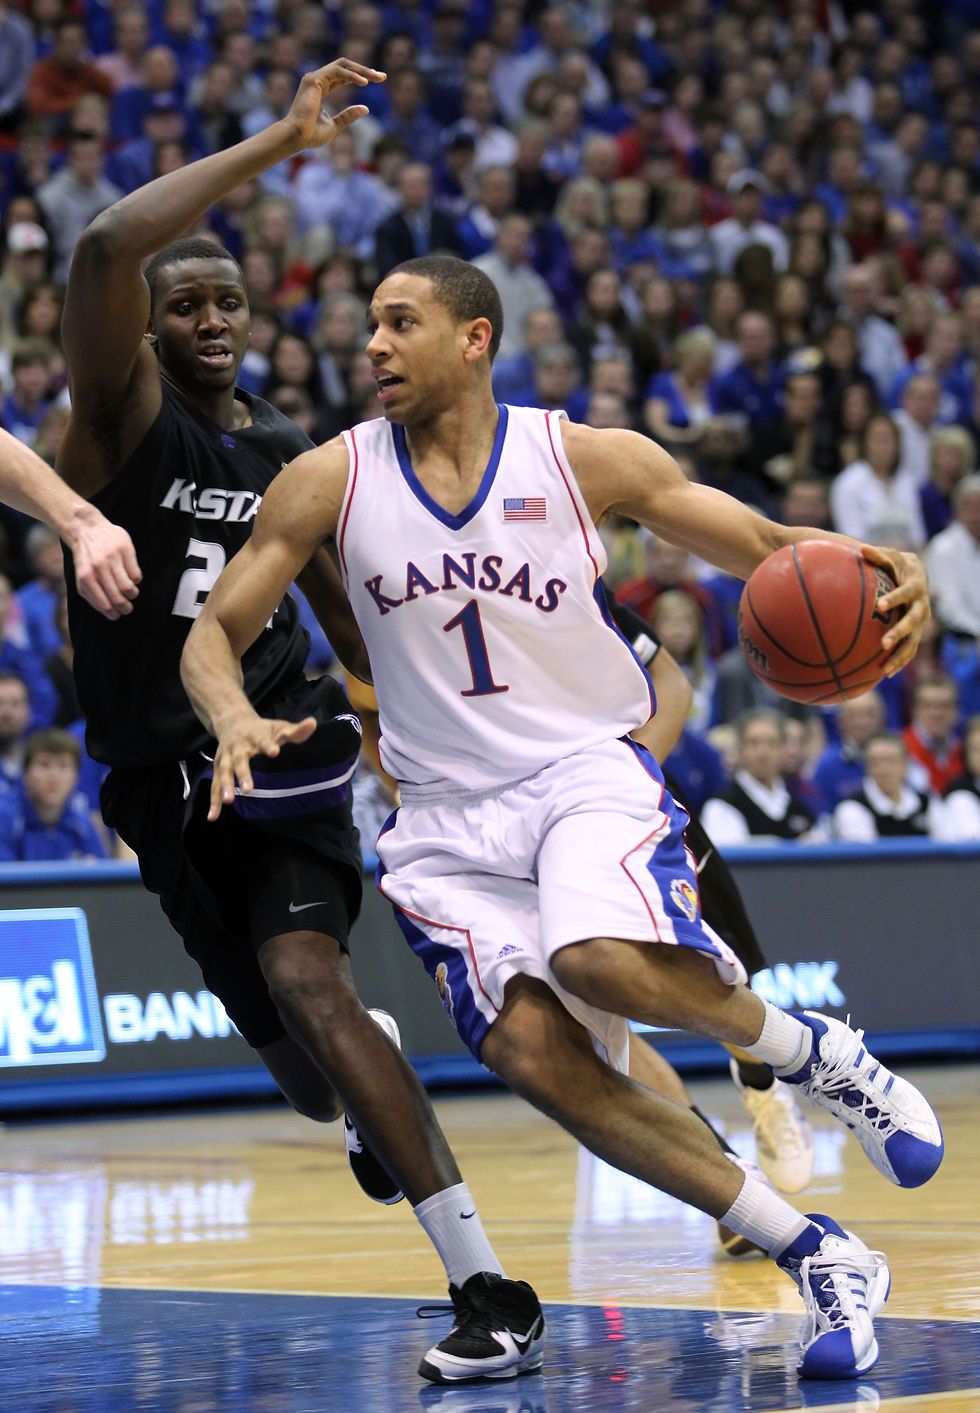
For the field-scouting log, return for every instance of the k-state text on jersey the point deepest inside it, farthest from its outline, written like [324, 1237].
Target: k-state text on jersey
[461, 571]
[211, 503]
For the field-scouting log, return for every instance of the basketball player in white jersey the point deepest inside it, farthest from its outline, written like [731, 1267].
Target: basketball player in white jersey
[537, 864]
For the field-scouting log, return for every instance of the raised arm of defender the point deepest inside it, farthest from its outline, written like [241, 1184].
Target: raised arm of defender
[300, 510]
[630, 475]
[115, 381]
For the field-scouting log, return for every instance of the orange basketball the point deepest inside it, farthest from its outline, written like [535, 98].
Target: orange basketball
[809, 624]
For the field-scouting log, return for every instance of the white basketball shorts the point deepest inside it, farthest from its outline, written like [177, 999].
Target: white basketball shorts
[490, 886]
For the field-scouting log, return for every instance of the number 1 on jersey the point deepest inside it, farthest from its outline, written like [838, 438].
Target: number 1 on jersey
[469, 620]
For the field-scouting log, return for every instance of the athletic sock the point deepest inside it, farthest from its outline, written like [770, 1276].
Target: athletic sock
[785, 1042]
[451, 1222]
[768, 1220]
[755, 1076]
[725, 1147]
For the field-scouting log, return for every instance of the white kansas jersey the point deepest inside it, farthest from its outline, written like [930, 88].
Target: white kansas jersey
[492, 652]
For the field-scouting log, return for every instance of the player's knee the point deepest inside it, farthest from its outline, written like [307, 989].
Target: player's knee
[306, 986]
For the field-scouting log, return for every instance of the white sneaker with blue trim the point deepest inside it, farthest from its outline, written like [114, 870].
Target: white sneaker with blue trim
[843, 1285]
[894, 1124]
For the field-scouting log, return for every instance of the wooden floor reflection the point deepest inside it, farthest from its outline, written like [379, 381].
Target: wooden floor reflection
[261, 1201]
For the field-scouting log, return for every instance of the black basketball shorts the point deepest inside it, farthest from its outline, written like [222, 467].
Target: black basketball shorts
[228, 886]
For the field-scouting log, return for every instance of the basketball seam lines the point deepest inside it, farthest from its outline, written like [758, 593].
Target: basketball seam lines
[816, 623]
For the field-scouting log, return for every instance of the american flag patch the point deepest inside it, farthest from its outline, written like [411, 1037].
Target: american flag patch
[525, 508]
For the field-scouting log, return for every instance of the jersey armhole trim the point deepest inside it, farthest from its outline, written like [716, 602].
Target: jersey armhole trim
[560, 463]
[349, 490]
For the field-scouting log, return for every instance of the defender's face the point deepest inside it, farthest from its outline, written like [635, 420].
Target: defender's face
[200, 317]
[417, 351]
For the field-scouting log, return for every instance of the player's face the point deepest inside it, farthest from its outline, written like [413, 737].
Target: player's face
[419, 354]
[201, 322]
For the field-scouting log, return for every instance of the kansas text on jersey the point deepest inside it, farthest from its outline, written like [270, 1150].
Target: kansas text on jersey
[491, 646]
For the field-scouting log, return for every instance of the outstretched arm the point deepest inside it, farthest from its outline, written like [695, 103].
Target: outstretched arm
[298, 513]
[113, 370]
[106, 570]
[628, 474]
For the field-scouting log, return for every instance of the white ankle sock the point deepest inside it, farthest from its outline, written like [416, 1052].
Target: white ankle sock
[451, 1222]
[785, 1042]
[764, 1217]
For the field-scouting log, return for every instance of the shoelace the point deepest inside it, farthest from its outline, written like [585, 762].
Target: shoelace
[850, 1265]
[840, 1076]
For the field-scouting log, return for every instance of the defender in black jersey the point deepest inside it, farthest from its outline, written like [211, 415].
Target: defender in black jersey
[161, 440]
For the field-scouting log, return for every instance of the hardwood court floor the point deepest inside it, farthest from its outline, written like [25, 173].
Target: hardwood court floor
[140, 1258]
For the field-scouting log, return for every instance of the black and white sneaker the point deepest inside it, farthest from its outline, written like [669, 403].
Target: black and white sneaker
[498, 1332]
[371, 1176]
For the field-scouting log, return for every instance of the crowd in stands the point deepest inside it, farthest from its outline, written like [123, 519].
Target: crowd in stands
[749, 230]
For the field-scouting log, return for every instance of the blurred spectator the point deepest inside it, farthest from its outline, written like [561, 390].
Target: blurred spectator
[886, 805]
[805, 501]
[56, 83]
[934, 749]
[23, 409]
[800, 442]
[952, 457]
[558, 379]
[669, 567]
[878, 487]
[757, 806]
[253, 375]
[16, 58]
[15, 716]
[131, 32]
[792, 315]
[25, 264]
[850, 413]
[213, 109]
[520, 288]
[416, 227]
[494, 200]
[746, 226]
[961, 803]
[917, 420]
[682, 240]
[953, 561]
[43, 819]
[677, 403]
[753, 388]
[802, 743]
[331, 191]
[536, 191]
[493, 145]
[75, 195]
[38, 600]
[943, 360]
[724, 305]
[513, 376]
[879, 345]
[603, 327]
[840, 768]
[407, 116]
[678, 622]
[20, 660]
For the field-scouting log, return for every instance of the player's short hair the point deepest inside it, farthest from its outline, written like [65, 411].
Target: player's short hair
[461, 288]
[52, 742]
[187, 248]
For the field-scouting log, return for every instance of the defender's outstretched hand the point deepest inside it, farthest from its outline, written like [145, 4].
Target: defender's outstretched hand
[314, 126]
[243, 737]
[911, 593]
[106, 569]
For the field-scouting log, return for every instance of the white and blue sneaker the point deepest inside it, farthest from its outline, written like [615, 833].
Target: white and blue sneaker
[843, 1285]
[894, 1124]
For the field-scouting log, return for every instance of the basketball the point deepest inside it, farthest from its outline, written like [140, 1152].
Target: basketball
[809, 625]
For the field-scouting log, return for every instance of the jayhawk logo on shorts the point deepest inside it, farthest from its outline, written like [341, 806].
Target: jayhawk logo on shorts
[684, 896]
[445, 990]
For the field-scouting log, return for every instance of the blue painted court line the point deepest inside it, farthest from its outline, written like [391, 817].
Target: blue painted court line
[91, 1350]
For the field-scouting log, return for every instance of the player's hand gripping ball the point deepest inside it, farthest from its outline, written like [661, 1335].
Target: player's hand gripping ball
[809, 622]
